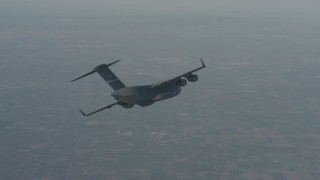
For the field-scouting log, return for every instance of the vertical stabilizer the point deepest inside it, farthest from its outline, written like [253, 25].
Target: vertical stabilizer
[104, 71]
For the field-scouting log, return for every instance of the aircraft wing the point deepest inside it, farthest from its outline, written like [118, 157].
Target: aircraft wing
[109, 106]
[172, 80]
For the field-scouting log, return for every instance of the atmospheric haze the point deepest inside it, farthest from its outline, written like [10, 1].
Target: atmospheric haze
[85, 7]
[253, 113]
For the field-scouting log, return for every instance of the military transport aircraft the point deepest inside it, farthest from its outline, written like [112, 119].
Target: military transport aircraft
[145, 95]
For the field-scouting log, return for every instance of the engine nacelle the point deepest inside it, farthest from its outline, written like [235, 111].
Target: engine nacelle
[192, 78]
[181, 82]
[127, 105]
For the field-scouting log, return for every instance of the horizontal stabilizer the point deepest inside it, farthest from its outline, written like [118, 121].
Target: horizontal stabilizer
[104, 71]
[84, 76]
[113, 62]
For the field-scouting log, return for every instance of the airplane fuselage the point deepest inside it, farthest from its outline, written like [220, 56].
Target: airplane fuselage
[146, 95]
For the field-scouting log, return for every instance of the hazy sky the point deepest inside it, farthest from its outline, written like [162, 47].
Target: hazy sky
[146, 6]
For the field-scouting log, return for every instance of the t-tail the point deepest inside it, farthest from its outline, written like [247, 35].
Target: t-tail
[104, 71]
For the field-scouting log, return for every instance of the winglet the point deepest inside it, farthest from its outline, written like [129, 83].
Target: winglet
[82, 112]
[203, 65]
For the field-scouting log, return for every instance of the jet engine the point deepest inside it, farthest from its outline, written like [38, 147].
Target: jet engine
[181, 82]
[126, 105]
[192, 78]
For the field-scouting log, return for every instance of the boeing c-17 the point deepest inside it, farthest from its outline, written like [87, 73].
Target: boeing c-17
[144, 95]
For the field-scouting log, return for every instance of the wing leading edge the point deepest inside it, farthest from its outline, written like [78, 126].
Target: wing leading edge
[180, 76]
[190, 72]
[109, 106]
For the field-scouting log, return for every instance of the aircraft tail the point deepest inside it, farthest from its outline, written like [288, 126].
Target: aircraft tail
[104, 71]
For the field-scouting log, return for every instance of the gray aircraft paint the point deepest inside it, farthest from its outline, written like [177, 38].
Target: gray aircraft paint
[144, 95]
